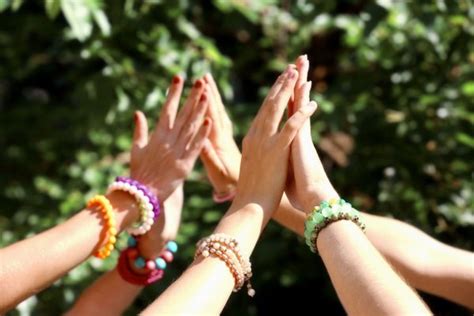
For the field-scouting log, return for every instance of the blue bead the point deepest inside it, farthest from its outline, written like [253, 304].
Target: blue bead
[139, 263]
[172, 246]
[160, 263]
[131, 242]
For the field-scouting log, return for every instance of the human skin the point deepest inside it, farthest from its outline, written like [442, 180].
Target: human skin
[422, 261]
[307, 186]
[161, 162]
[204, 288]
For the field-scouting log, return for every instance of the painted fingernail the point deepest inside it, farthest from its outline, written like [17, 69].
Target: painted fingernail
[206, 122]
[293, 74]
[176, 79]
[198, 83]
[203, 97]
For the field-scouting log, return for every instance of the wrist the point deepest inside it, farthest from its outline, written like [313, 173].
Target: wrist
[125, 207]
[317, 195]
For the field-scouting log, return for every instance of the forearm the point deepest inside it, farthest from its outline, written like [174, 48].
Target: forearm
[364, 282]
[32, 264]
[424, 262]
[206, 285]
[109, 295]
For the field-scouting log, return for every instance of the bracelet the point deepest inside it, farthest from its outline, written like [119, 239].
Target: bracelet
[226, 249]
[325, 214]
[106, 210]
[223, 197]
[154, 267]
[147, 202]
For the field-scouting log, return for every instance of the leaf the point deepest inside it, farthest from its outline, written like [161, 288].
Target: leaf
[16, 4]
[4, 4]
[53, 8]
[78, 16]
[468, 89]
[102, 21]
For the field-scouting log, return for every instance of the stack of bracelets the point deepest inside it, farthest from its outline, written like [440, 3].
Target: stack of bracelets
[153, 268]
[325, 214]
[226, 249]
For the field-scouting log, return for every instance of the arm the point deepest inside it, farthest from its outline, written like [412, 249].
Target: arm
[400, 243]
[364, 281]
[96, 299]
[161, 162]
[24, 272]
[206, 285]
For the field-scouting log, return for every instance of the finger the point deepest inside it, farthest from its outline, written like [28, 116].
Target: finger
[193, 124]
[140, 133]
[217, 96]
[262, 112]
[212, 109]
[278, 104]
[170, 108]
[302, 65]
[198, 141]
[188, 107]
[294, 123]
[302, 95]
[210, 158]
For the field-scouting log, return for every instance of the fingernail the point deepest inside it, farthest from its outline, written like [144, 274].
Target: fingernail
[312, 105]
[135, 117]
[206, 122]
[293, 74]
[198, 83]
[203, 97]
[176, 79]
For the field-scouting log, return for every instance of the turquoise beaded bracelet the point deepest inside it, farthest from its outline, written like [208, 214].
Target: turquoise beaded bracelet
[325, 214]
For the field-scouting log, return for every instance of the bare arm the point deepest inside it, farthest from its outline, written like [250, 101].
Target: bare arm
[205, 287]
[32, 264]
[364, 282]
[421, 260]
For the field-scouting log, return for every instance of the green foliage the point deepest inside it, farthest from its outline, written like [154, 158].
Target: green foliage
[397, 76]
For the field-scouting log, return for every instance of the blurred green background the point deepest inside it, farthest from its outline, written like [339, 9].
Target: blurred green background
[395, 127]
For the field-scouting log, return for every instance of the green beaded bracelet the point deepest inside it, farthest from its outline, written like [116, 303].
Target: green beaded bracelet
[325, 214]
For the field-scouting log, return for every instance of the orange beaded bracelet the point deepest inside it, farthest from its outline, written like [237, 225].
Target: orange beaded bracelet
[106, 210]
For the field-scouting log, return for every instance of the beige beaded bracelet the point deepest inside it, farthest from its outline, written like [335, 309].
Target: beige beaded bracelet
[226, 248]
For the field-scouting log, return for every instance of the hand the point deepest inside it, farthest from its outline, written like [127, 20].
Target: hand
[165, 228]
[307, 183]
[163, 161]
[220, 154]
[266, 150]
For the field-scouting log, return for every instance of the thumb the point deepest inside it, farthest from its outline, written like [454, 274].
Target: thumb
[296, 121]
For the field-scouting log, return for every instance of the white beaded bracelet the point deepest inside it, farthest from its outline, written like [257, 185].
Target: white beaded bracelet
[147, 215]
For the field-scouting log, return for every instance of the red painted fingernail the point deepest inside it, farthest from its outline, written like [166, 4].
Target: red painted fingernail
[203, 97]
[206, 122]
[135, 117]
[198, 84]
[176, 79]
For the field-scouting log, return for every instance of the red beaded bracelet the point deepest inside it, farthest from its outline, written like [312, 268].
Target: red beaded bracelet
[132, 277]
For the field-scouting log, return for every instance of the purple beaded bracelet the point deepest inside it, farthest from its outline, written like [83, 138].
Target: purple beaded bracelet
[153, 199]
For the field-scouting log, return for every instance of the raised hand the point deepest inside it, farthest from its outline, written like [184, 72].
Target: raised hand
[266, 150]
[163, 160]
[307, 183]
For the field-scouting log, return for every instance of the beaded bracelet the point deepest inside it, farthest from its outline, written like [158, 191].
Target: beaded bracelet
[106, 210]
[325, 214]
[226, 249]
[154, 268]
[223, 197]
[148, 203]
